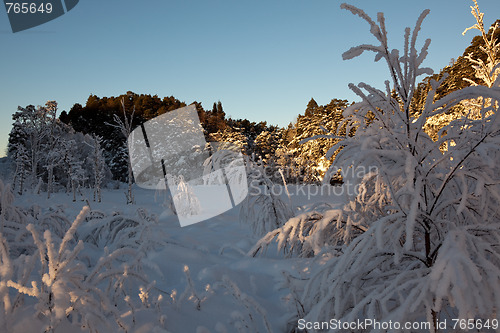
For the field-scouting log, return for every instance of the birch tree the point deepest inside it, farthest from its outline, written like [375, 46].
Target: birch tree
[125, 127]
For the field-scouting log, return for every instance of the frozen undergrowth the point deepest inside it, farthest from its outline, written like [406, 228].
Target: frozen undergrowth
[134, 269]
[64, 275]
[262, 208]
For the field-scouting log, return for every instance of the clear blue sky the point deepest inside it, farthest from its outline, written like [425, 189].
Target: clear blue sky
[263, 59]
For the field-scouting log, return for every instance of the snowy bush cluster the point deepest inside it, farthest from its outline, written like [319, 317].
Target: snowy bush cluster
[97, 273]
[48, 153]
[86, 274]
[420, 241]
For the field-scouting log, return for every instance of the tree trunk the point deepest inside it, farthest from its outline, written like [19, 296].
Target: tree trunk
[130, 197]
[73, 188]
[49, 180]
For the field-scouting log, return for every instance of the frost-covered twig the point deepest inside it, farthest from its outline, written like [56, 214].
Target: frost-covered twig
[251, 306]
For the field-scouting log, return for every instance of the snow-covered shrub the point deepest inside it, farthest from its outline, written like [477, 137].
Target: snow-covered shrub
[295, 284]
[20, 239]
[307, 234]
[10, 215]
[13, 223]
[59, 290]
[190, 293]
[263, 208]
[222, 156]
[430, 250]
[225, 166]
[118, 230]
[49, 268]
[53, 219]
[252, 317]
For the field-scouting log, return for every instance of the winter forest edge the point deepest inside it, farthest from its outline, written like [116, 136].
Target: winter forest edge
[411, 233]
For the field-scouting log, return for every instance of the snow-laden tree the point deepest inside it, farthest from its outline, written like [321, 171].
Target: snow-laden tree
[422, 234]
[116, 154]
[21, 161]
[74, 165]
[52, 158]
[265, 145]
[38, 146]
[311, 154]
[96, 159]
[32, 129]
[487, 71]
[125, 126]
[232, 136]
[304, 160]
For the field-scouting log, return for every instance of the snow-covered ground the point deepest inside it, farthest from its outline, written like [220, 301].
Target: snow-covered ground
[230, 288]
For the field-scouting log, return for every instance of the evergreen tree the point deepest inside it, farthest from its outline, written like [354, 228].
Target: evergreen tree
[307, 156]
[265, 145]
[220, 110]
[311, 109]
[234, 137]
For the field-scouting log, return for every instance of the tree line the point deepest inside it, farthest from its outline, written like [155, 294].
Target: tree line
[52, 151]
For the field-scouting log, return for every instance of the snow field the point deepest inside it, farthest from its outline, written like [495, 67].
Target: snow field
[202, 274]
